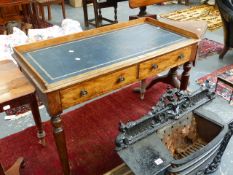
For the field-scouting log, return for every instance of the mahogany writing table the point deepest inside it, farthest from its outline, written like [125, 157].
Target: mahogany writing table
[75, 68]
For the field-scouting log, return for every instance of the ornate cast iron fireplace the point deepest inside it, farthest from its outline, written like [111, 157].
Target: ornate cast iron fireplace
[174, 137]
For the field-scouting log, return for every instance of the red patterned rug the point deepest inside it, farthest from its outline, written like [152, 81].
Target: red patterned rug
[206, 48]
[90, 134]
[209, 47]
[222, 89]
[20, 111]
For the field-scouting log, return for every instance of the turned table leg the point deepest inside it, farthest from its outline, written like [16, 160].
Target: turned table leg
[169, 78]
[185, 76]
[60, 141]
[142, 89]
[36, 115]
[223, 52]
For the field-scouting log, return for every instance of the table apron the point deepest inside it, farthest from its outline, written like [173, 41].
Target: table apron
[81, 92]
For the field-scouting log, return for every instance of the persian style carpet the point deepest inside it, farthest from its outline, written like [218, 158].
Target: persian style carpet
[222, 89]
[20, 111]
[90, 134]
[209, 47]
[202, 12]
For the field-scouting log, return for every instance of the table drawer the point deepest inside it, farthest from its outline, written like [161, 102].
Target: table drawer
[95, 87]
[164, 62]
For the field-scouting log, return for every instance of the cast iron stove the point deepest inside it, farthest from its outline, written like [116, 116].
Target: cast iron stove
[174, 137]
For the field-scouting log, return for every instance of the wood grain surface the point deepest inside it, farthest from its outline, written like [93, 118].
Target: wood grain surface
[13, 83]
[141, 3]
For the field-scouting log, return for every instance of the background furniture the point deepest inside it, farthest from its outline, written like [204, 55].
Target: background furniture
[9, 12]
[18, 10]
[14, 169]
[75, 3]
[16, 91]
[186, 2]
[142, 6]
[98, 6]
[48, 3]
[226, 10]
[2, 26]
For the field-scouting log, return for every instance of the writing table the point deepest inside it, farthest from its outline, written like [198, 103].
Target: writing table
[75, 68]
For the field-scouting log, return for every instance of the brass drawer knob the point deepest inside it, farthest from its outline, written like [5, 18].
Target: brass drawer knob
[181, 56]
[121, 79]
[154, 66]
[83, 93]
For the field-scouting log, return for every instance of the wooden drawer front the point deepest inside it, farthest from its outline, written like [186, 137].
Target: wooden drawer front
[95, 87]
[164, 62]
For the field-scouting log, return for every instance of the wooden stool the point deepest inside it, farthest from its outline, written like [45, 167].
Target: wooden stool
[48, 3]
[98, 18]
[16, 90]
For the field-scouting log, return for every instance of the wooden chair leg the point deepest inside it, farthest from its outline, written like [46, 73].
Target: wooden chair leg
[115, 14]
[49, 12]
[35, 13]
[42, 12]
[85, 14]
[36, 116]
[38, 9]
[223, 52]
[63, 9]
[97, 20]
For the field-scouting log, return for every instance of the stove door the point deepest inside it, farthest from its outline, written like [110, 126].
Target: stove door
[148, 156]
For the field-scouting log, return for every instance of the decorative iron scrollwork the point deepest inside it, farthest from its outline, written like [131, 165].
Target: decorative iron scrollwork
[213, 166]
[172, 105]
